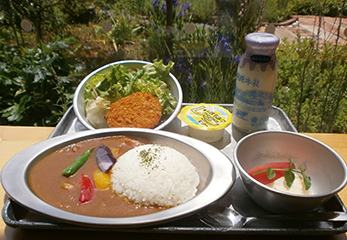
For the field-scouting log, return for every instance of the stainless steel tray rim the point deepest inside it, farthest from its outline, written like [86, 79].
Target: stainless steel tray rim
[16, 216]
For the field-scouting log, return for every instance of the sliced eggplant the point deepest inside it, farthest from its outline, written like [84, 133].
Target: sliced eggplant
[104, 158]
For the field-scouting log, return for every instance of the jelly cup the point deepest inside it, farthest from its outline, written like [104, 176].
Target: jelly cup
[206, 122]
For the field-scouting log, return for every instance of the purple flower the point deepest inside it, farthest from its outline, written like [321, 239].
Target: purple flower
[180, 14]
[163, 7]
[237, 59]
[189, 78]
[187, 73]
[224, 44]
[175, 3]
[155, 3]
[180, 66]
[203, 54]
[186, 6]
[223, 48]
[184, 68]
[203, 84]
[166, 61]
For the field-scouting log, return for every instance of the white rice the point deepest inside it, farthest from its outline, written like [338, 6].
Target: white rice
[154, 175]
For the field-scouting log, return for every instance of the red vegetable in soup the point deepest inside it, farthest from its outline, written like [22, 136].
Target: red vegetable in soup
[262, 177]
[87, 190]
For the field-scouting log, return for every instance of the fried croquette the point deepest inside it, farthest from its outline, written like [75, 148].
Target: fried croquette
[142, 110]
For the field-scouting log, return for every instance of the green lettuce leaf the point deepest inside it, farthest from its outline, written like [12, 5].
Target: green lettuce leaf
[122, 81]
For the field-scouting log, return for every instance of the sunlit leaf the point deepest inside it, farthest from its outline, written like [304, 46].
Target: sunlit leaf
[307, 182]
[289, 177]
[270, 173]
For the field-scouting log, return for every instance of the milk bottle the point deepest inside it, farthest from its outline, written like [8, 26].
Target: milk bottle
[255, 83]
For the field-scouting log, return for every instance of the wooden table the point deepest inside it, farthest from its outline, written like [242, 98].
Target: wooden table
[15, 139]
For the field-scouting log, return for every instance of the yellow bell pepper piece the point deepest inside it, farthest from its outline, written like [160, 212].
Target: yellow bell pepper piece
[101, 180]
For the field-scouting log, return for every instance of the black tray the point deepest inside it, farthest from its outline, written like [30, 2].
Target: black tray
[17, 216]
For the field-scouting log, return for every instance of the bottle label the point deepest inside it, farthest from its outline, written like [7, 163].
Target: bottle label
[241, 79]
[252, 100]
[260, 58]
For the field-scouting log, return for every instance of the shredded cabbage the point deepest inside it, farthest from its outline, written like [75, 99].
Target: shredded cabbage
[96, 111]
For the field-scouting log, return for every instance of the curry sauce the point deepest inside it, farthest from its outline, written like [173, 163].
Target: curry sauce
[62, 192]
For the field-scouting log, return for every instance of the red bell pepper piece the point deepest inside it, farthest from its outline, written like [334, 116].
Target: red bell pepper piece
[87, 190]
[262, 177]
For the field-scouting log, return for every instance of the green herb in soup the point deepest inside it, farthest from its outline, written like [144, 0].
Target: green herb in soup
[277, 169]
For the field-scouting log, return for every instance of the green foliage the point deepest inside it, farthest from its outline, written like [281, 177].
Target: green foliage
[238, 18]
[204, 11]
[123, 30]
[40, 13]
[280, 10]
[277, 10]
[333, 8]
[312, 85]
[76, 11]
[157, 37]
[205, 61]
[206, 68]
[131, 7]
[35, 84]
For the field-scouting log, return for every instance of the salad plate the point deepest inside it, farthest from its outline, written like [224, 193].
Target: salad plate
[136, 75]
